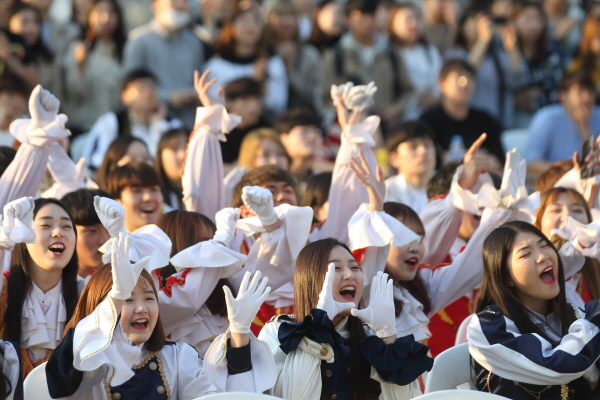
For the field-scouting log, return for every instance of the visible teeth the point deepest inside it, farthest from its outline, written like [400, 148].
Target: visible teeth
[547, 269]
[57, 247]
[349, 288]
[139, 321]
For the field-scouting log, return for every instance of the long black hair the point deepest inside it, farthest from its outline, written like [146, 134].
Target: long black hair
[495, 290]
[19, 280]
[118, 37]
[309, 274]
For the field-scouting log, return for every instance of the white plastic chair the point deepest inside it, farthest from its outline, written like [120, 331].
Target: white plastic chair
[450, 369]
[237, 396]
[515, 138]
[459, 395]
[461, 334]
[35, 385]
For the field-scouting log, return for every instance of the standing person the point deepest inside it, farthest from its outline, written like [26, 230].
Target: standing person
[421, 59]
[302, 61]
[522, 313]
[92, 64]
[328, 285]
[155, 45]
[241, 52]
[41, 285]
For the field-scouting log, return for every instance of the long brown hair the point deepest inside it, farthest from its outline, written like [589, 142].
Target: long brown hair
[591, 267]
[96, 291]
[165, 142]
[495, 290]
[225, 43]
[251, 143]
[185, 229]
[392, 38]
[19, 286]
[589, 33]
[416, 287]
[117, 150]
[280, 7]
[542, 43]
[309, 274]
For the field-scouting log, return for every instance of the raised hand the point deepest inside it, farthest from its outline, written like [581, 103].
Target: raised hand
[17, 221]
[125, 275]
[43, 106]
[375, 184]
[111, 214]
[203, 87]
[474, 164]
[225, 221]
[326, 301]
[380, 315]
[241, 310]
[260, 202]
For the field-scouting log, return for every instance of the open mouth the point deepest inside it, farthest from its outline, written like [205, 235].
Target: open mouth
[547, 276]
[412, 262]
[148, 210]
[57, 248]
[348, 292]
[141, 323]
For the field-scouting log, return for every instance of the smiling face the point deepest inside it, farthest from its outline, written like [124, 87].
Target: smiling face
[55, 239]
[140, 313]
[414, 157]
[89, 239]
[403, 261]
[348, 280]
[557, 212]
[533, 267]
[142, 205]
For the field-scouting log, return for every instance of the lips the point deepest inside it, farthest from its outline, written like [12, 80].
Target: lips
[547, 276]
[348, 292]
[140, 324]
[57, 248]
[412, 262]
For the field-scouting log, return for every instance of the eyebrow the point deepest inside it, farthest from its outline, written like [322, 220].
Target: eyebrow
[49, 217]
[524, 248]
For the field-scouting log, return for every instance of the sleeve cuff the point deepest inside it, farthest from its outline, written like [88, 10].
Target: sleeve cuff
[239, 359]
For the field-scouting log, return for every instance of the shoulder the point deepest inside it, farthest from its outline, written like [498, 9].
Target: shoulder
[141, 31]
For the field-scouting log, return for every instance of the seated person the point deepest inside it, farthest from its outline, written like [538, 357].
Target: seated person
[455, 116]
[555, 132]
[412, 154]
[143, 117]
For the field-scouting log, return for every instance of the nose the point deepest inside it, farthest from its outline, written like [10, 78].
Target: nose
[103, 237]
[542, 257]
[57, 232]
[278, 196]
[347, 273]
[413, 247]
[141, 308]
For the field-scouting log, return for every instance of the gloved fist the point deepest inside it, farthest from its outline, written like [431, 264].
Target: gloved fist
[225, 221]
[43, 107]
[111, 214]
[260, 202]
[17, 221]
[242, 309]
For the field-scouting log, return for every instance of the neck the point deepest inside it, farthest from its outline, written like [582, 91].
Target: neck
[456, 110]
[175, 184]
[141, 117]
[45, 280]
[364, 40]
[301, 165]
[537, 305]
[244, 50]
[528, 49]
[418, 180]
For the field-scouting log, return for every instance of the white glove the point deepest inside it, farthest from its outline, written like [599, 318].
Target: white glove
[574, 230]
[326, 301]
[591, 374]
[111, 214]
[242, 309]
[17, 222]
[125, 275]
[381, 314]
[43, 107]
[360, 97]
[260, 202]
[513, 180]
[226, 220]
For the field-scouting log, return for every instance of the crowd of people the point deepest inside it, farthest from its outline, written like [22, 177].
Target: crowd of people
[297, 197]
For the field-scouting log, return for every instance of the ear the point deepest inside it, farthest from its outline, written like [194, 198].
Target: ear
[394, 160]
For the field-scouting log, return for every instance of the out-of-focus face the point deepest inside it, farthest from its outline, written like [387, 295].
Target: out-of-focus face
[578, 99]
[136, 151]
[141, 95]
[407, 25]
[12, 106]
[142, 205]
[165, 6]
[469, 224]
[469, 30]
[283, 193]
[140, 313]
[26, 24]
[247, 107]
[173, 156]
[285, 25]
[270, 153]
[104, 19]
[533, 267]
[303, 141]
[556, 213]
[458, 86]
[331, 19]
[348, 280]
[530, 24]
[414, 156]
[248, 27]
[501, 8]
[89, 239]
[42, 5]
[361, 25]
[55, 239]
[403, 261]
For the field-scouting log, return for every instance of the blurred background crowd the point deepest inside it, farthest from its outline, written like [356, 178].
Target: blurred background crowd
[527, 73]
